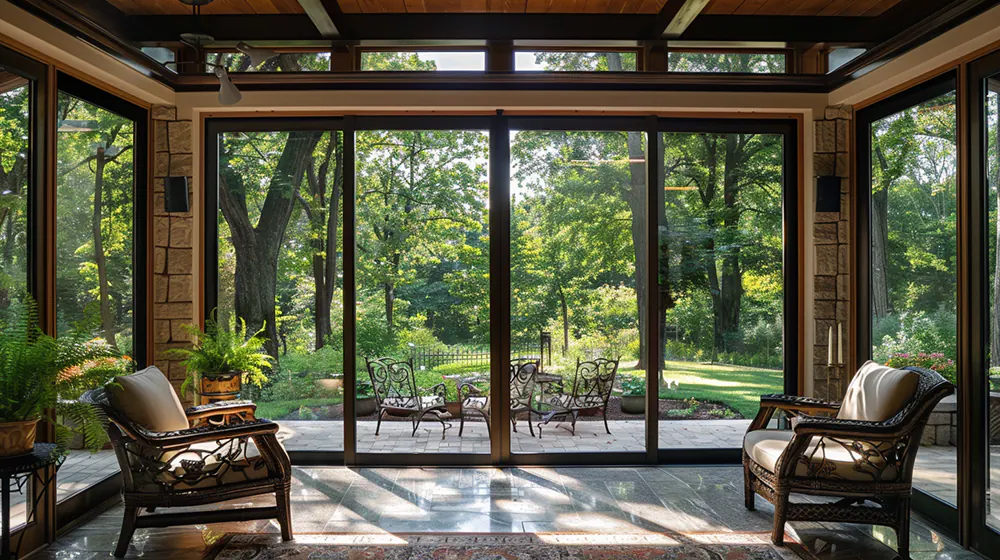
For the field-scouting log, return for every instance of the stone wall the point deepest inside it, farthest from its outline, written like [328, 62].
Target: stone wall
[831, 236]
[173, 279]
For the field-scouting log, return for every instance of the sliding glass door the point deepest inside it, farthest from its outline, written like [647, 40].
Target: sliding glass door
[908, 166]
[100, 237]
[277, 266]
[476, 290]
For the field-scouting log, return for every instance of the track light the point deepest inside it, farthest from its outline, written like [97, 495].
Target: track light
[257, 56]
[228, 94]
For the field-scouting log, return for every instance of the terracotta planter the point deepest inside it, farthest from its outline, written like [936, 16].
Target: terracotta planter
[364, 407]
[454, 408]
[215, 387]
[332, 383]
[17, 438]
[634, 405]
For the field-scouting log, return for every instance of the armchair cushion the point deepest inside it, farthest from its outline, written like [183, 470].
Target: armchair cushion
[877, 393]
[147, 398]
[825, 457]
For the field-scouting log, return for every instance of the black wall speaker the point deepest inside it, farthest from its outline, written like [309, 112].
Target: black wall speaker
[828, 194]
[175, 195]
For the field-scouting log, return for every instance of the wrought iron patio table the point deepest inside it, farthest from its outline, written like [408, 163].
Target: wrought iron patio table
[15, 472]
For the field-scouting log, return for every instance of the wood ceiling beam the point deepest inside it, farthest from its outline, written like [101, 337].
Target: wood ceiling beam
[323, 14]
[676, 15]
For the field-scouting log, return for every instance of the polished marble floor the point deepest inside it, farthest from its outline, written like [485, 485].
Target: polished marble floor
[583, 500]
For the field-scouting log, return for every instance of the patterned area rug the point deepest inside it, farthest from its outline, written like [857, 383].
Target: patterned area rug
[512, 546]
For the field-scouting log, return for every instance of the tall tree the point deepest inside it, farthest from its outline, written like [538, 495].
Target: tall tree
[257, 246]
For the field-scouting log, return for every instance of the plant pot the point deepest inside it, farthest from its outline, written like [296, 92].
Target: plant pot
[17, 438]
[215, 387]
[336, 381]
[364, 407]
[454, 408]
[634, 405]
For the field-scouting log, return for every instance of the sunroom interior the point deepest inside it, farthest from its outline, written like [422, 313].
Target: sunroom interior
[326, 278]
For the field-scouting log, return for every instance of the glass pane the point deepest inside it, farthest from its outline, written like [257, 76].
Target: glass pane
[993, 169]
[284, 62]
[383, 61]
[280, 244]
[15, 120]
[578, 251]
[423, 289]
[94, 253]
[747, 63]
[721, 284]
[162, 55]
[913, 253]
[570, 61]
[840, 57]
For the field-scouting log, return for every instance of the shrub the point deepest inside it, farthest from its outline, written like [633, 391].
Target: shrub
[325, 361]
[935, 361]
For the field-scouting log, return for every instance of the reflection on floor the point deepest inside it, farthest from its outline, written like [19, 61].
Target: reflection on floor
[935, 470]
[581, 500]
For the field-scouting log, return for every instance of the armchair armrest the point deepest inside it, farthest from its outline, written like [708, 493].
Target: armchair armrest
[440, 390]
[792, 404]
[221, 413]
[839, 428]
[205, 433]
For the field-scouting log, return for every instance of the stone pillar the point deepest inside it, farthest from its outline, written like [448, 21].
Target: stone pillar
[173, 279]
[831, 238]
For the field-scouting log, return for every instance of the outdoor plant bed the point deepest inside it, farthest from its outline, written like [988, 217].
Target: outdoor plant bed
[692, 409]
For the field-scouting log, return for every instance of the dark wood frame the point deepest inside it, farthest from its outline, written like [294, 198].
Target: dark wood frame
[499, 127]
[980, 536]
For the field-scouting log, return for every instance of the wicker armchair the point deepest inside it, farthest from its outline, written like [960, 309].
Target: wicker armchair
[396, 393]
[170, 457]
[862, 454]
[592, 386]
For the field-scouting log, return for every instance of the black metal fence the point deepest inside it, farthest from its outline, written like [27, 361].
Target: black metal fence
[428, 359]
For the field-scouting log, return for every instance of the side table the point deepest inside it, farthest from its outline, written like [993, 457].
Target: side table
[15, 472]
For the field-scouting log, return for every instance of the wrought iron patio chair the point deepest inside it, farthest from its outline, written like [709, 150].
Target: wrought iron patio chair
[592, 385]
[396, 393]
[864, 453]
[474, 400]
[207, 454]
[522, 388]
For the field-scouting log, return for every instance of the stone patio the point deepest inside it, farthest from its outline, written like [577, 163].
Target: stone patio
[935, 469]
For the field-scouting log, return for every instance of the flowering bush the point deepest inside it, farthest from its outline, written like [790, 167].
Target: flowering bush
[935, 361]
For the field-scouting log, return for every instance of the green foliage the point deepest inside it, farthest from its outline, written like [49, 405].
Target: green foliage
[914, 332]
[364, 388]
[935, 361]
[38, 372]
[459, 369]
[633, 384]
[276, 410]
[224, 349]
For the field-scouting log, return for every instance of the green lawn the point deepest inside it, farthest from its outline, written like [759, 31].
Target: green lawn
[739, 387]
[279, 409]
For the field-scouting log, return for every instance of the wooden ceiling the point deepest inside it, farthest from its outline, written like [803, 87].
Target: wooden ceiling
[863, 8]
[503, 6]
[218, 7]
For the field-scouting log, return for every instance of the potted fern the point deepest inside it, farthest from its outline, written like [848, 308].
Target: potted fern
[223, 358]
[364, 403]
[39, 373]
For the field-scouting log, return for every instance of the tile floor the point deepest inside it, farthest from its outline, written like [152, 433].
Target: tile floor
[590, 500]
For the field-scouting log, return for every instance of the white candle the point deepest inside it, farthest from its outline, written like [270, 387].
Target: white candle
[840, 343]
[829, 347]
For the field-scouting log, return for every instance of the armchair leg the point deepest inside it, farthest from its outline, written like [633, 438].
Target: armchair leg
[461, 425]
[283, 498]
[780, 516]
[128, 529]
[531, 429]
[513, 421]
[903, 528]
[378, 426]
[748, 493]
[604, 411]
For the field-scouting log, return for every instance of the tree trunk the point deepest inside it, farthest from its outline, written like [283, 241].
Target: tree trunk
[731, 289]
[100, 259]
[564, 307]
[881, 306]
[257, 247]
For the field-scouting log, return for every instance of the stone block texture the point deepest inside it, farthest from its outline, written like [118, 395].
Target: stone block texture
[831, 240]
[173, 240]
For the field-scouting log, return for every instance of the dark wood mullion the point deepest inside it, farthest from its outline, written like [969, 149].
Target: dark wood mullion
[499, 228]
[654, 362]
[350, 293]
